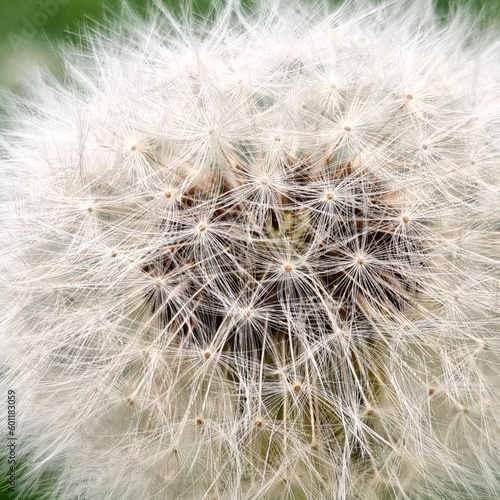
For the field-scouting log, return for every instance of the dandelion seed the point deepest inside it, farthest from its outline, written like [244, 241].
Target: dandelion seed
[360, 261]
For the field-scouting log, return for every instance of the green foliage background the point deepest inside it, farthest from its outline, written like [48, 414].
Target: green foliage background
[31, 29]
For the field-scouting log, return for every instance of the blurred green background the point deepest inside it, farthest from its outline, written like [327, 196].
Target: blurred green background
[31, 29]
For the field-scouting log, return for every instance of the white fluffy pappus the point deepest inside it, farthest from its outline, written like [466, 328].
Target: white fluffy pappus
[257, 257]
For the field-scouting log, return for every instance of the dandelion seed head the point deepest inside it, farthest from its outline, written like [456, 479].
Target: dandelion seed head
[258, 254]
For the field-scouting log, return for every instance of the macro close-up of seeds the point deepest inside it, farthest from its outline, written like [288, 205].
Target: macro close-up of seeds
[256, 256]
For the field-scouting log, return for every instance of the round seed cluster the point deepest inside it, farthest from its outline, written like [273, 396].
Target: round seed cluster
[258, 258]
